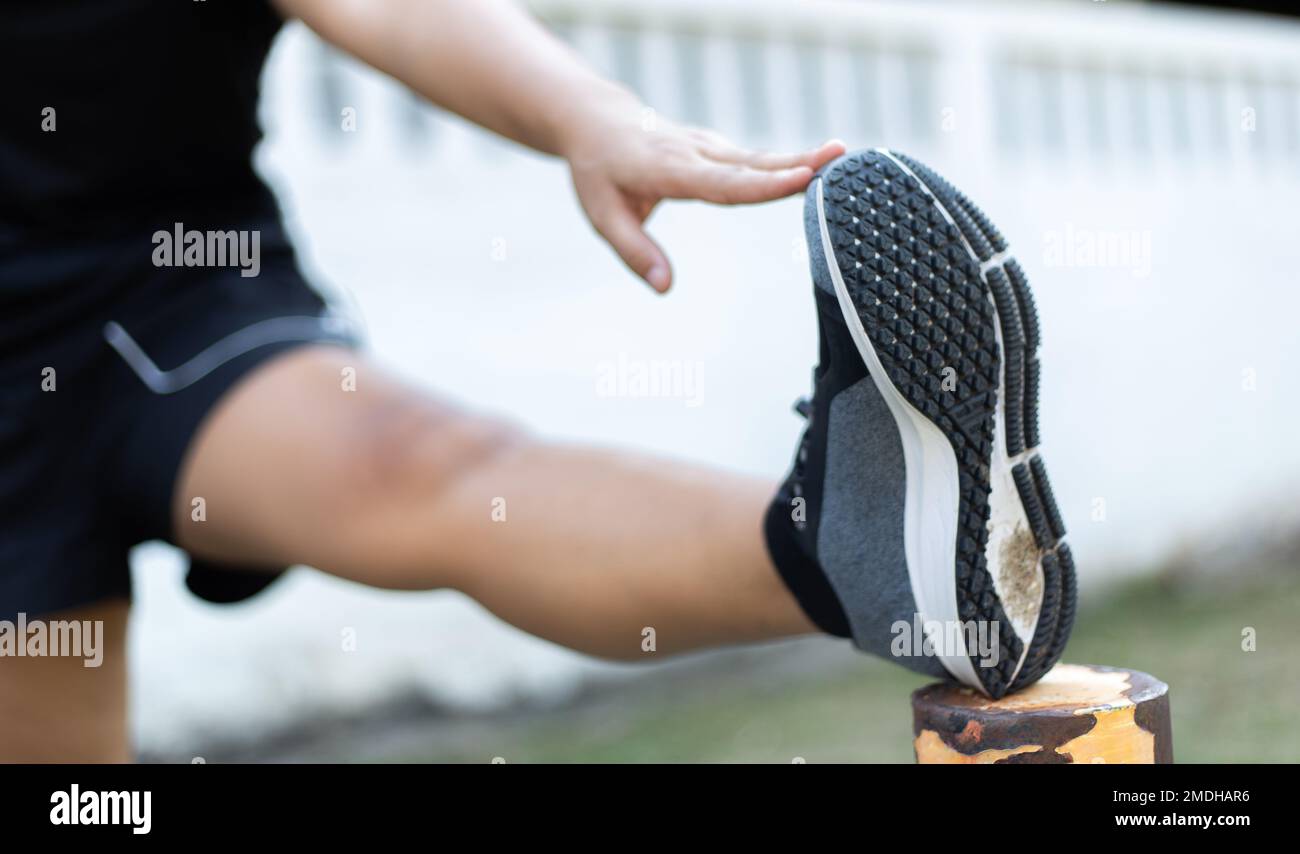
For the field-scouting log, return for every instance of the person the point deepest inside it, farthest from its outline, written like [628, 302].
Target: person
[154, 387]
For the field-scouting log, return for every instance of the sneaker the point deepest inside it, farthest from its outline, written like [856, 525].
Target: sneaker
[918, 518]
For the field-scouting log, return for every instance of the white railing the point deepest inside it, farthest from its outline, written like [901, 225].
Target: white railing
[1089, 84]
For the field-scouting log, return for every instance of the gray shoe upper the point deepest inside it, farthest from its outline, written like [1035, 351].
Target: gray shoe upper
[860, 531]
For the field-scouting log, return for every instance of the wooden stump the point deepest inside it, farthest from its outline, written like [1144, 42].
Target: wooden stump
[1076, 713]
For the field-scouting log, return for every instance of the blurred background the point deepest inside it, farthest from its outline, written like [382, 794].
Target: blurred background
[1142, 159]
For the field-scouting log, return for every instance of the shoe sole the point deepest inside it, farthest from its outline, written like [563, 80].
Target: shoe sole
[946, 325]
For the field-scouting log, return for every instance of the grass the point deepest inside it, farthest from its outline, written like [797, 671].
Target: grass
[1229, 705]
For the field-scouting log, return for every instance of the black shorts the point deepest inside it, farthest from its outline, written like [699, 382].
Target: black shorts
[108, 365]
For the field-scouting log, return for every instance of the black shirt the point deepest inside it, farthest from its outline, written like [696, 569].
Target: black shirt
[154, 108]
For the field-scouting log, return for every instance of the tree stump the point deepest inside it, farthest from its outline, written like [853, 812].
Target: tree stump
[1076, 713]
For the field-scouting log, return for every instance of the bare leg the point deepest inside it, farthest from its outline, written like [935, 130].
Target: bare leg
[55, 709]
[389, 487]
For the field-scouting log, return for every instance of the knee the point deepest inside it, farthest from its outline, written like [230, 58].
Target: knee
[389, 522]
[411, 449]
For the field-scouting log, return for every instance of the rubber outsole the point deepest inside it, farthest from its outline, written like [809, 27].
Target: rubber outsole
[953, 324]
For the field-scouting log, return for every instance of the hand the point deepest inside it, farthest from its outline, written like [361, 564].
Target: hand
[622, 168]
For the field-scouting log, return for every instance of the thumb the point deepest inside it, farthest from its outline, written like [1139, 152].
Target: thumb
[626, 234]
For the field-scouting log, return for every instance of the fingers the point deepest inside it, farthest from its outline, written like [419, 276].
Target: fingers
[719, 149]
[739, 185]
[623, 230]
[707, 167]
[824, 153]
[727, 174]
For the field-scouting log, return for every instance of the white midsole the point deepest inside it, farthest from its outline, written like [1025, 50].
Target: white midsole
[933, 492]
